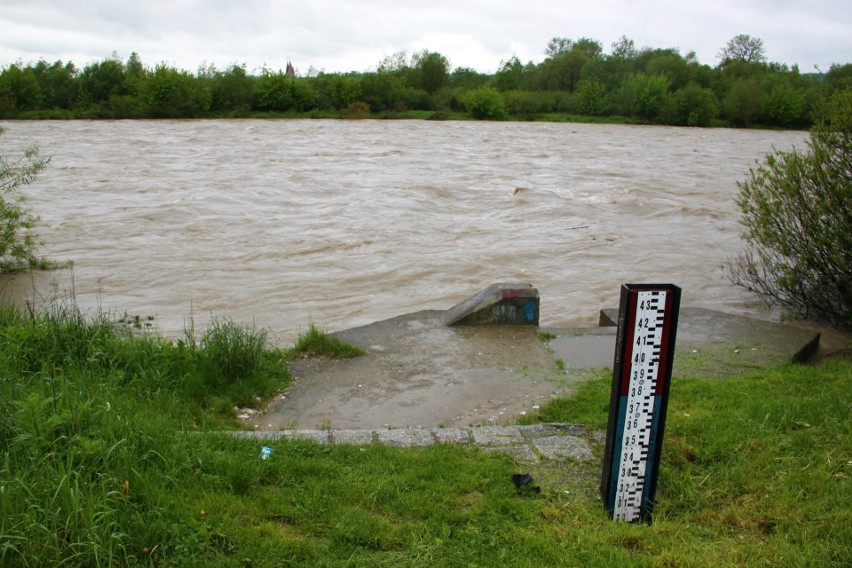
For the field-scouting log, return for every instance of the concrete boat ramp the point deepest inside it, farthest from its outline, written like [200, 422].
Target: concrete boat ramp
[420, 374]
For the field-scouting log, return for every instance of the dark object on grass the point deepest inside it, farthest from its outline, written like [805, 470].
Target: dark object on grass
[523, 482]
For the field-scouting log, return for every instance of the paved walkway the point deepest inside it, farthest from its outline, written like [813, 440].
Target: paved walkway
[530, 443]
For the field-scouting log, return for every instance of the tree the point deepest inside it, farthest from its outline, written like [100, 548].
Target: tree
[430, 71]
[611, 71]
[743, 102]
[17, 241]
[591, 98]
[58, 85]
[102, 80]
[467, 78]
[22, 88]
[797, 213]
[396, 63]
[279, 92]
[839, 77]
[563, 72]
[649, 94]
[784, 106]
[230, 90]
[510, 76]
[172, 93]
[557, 45]
[339, 91]
[691, 106]
[672, 66]
[745, 48]
[591, 47]
[381, 90]
[624, 49]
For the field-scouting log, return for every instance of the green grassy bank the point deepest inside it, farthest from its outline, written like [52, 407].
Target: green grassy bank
[104, 461]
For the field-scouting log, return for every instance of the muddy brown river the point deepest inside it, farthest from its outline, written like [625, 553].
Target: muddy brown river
[342, 223]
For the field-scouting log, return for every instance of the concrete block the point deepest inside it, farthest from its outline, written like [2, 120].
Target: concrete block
[405, 438]
[452, 435]
[497, 436]
[499, 304]
[318, 436]
[352, 437]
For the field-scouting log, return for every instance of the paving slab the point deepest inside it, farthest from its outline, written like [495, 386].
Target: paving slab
[353, 437]
[453, 435]
[526, 443]
[405, 438]
[497, 436]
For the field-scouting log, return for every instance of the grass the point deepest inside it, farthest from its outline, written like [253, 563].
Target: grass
[546, 336]
[109, 456]
[318, 343]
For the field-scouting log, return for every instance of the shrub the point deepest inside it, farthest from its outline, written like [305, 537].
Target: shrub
[691, 106]
[649, 94]
[797, 211]
[485, 103]
[17, 242]
[234, 350]
[358, 109]
[592, 98]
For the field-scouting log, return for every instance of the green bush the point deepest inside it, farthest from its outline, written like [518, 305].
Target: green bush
[592, 98]
[649, 95]
[691, 106]
[485, 103]
[797, 211]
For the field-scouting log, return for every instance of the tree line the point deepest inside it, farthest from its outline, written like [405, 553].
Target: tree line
[576, 78]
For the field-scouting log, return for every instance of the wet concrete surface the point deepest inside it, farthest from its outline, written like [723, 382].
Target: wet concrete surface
[710, 344]
[417, 373]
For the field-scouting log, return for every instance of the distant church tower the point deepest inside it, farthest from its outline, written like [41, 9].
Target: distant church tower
[290, 71]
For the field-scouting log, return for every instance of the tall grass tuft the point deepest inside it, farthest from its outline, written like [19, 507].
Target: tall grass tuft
[317, 342]
[236, 352]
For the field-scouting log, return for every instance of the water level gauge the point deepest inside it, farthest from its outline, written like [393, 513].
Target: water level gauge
[641, 374]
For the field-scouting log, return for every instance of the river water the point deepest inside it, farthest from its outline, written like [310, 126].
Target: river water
[282, 223]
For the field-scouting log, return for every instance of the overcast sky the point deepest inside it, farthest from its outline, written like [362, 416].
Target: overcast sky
[354, 35]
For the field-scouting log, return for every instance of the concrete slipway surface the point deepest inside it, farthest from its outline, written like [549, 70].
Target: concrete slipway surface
[421, 382]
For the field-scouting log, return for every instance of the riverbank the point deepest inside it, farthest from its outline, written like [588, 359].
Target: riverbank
[431, 115]
[99, 470]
